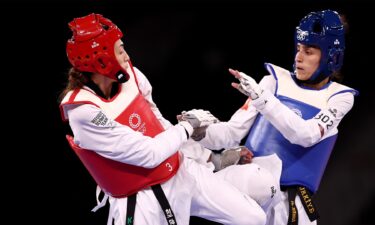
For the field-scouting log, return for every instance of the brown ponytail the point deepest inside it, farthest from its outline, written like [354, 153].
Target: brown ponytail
[76, 79]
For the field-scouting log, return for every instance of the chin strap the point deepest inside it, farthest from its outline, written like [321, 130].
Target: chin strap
[122, 77]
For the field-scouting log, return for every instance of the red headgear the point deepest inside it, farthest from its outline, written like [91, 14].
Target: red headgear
[91, 48]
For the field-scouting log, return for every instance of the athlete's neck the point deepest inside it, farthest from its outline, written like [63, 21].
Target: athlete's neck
[317, 86]
[104, 84]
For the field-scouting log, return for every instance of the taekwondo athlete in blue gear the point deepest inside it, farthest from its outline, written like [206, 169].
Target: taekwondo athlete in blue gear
[303, 166]
[294, 115]
[324, 30]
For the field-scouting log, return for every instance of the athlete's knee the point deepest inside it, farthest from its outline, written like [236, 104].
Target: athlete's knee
[255, 217]
[260, 218]
[249, 214]
[264, 188]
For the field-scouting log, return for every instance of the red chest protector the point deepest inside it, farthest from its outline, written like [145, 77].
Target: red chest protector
[115, 178]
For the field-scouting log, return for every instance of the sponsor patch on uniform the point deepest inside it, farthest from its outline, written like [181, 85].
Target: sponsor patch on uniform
[333, 111]
[273, 191]
[297, 111]
[100, 119]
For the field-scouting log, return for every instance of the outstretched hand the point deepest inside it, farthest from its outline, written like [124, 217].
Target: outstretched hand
[237, 75]
[247, 85]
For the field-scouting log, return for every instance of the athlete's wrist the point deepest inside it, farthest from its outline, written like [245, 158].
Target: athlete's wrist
[264, 101]
[187, 127]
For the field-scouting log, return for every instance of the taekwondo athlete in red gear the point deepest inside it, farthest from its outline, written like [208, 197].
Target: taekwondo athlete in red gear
[119, 139]
[294, 115]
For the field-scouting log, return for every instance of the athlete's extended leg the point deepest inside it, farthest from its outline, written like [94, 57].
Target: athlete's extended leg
[217, 200]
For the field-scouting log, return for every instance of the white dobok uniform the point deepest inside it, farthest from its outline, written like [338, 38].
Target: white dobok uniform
[295, 129]
[194, 190]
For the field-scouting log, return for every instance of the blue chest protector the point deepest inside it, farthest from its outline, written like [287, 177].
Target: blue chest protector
[301, 166]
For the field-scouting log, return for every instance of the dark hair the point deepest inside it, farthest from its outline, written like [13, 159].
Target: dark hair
[76, 79]
[338, 76]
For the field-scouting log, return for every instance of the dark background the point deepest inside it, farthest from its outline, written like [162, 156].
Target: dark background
[185, 50]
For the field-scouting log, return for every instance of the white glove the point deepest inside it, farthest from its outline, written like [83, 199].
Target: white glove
[247, 85]
[198, 118]
[228, 157]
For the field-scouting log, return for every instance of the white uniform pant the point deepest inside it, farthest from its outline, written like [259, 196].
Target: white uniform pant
[256, 181]
[196, 191]
[260, 179]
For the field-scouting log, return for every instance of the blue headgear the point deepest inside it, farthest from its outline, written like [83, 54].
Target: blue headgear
[323, 30]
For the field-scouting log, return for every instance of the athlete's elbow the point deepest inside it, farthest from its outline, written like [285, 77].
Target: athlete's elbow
[153, 161]
[304, 141]
[149, 159]
[150, 165]
[307, 144]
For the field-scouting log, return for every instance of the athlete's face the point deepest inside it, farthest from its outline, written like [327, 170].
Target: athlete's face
[121, 55]
[307, 61]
